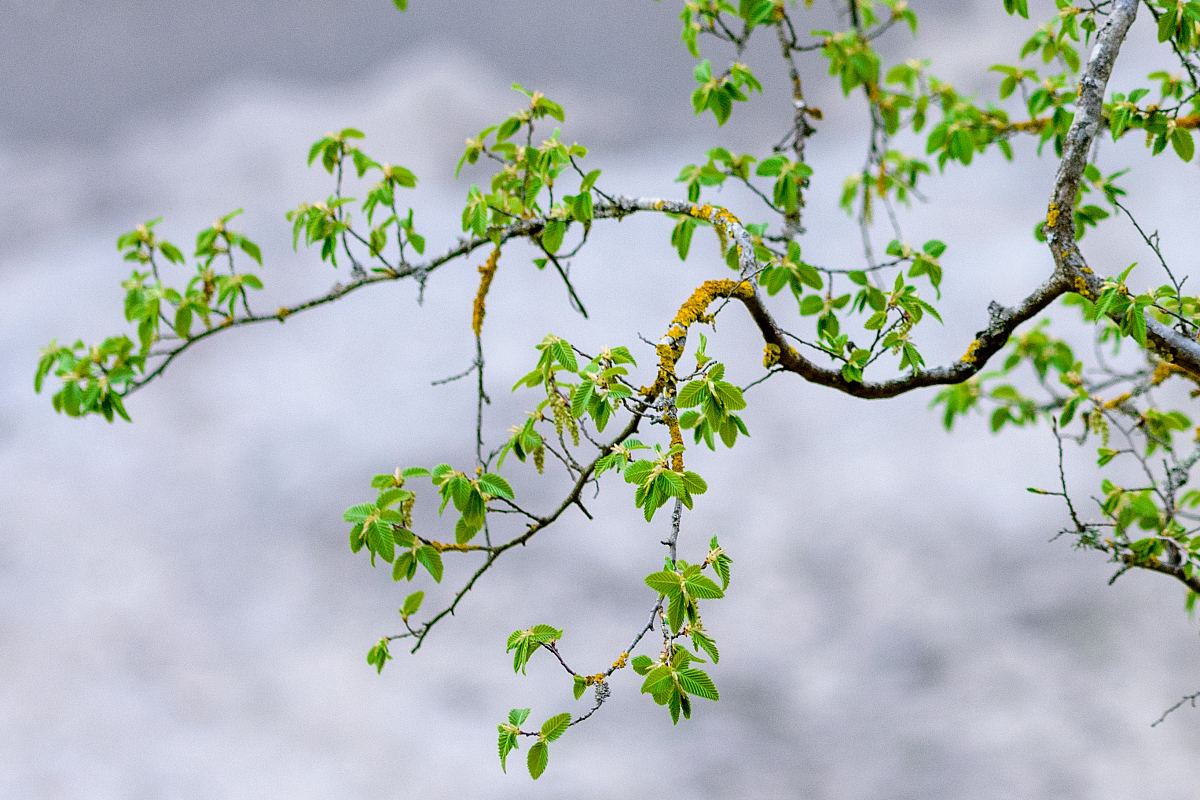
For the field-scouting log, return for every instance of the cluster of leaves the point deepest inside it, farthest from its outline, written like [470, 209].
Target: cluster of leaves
[789, 179]
[95, 378]
[527, 173]
[384, 524]
[683, 585]
[1049, 97]
[851, 58]
[539, 753]
[1179, 22]
[524, 643]
[1047, 356]
[718, 93]
[384, 528]
[601, 390]
[672, 680]
[714, 400]
[470, 497]
[1143, 523]
[790, 270]
[328, 224]
[657, 482]
[705, 15]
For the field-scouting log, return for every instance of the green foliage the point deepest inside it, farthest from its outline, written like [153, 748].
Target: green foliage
[539, 753]
[673, 682]
[601, 390]
[718, 93]
[657, 482]
[523, 644]
[683, 586]
[378, 655]
[716, 400]
[848, 321]
[509, 733]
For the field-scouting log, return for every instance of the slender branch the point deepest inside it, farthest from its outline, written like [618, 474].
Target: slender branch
[1185, 700]
[541, 523]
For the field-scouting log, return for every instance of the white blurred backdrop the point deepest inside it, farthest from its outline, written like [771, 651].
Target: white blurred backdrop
[180, 616]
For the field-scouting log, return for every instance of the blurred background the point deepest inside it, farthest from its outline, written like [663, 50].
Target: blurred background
[180, 616]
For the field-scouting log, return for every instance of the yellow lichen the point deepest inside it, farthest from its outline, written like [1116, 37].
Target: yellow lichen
[282, 313]
[1166, 369]
[667, 355]
[676, 439]
[770, 355]
[1034, 125]
[693, 310]
[1117, 401]
[621, 661]
[1162, 371]
[1052, 215]
[454, 547]
[972, 348]
[487, 271]
[715, 215]
[726, 217]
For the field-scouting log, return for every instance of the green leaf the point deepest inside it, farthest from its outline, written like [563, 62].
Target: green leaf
[555, 727]
[696, 682]
[564, 354]
[251, 249]
[552, 235]
[638, 471]
[703, 587]
[1181, 141]
[693, 483]
[657, 679]
[771, 167]
[496, 486]
[539, 757]
[506, 744]
[431, 559]
[405, 566]
[641, 664]
[378, 655]
[358, 513]
[691, 394]
[704, 642]
[412, 604]
[545, 633]
[665, 583]
[1166, 26]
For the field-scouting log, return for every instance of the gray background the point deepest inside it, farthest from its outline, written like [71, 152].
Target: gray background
[179, 614]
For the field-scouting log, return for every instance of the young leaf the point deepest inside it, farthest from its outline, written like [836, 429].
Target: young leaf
[555, 727]
[539, 757]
